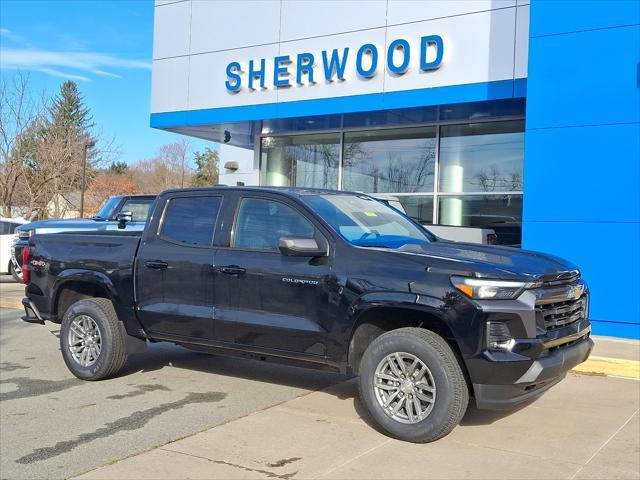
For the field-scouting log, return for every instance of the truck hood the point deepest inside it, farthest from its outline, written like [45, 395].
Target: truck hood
[44, 226]
[489, 261]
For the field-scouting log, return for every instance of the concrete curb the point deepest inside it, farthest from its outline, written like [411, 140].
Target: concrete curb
[610, 367]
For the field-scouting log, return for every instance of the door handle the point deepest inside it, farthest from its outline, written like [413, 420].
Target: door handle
[156, 264]
[232, 270]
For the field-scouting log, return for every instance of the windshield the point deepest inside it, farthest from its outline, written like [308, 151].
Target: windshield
[107, 207]
[366, 222]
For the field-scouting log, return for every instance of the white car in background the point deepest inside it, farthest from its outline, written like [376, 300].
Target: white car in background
[7, 238]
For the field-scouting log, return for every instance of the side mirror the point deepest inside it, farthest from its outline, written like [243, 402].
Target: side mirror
[301, 247]
[123, 218]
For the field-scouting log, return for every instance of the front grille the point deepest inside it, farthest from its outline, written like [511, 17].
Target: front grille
[570, 277]
[560, 314]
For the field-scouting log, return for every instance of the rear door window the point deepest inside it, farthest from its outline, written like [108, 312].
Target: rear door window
[190, 220]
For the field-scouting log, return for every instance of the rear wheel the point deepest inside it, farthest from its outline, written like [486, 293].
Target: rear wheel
[412, 385]
[92, 340]
[15, 273]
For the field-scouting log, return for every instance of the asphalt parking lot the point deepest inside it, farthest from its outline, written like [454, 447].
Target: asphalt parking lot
[56, 426]
[258, 420]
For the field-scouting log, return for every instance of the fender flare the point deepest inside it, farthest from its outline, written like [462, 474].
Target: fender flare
[89, 277]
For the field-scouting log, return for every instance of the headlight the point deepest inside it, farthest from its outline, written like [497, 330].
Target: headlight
[485, 289]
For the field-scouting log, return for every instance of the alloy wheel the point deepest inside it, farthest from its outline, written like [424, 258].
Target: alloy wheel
[404, 387]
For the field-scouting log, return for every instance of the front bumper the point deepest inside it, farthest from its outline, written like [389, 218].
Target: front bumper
[537, 339]
[541, 375]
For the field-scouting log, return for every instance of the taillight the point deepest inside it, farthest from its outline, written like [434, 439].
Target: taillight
[25, 265]
[492, 238]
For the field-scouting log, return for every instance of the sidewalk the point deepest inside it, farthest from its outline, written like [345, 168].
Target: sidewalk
[588, 426]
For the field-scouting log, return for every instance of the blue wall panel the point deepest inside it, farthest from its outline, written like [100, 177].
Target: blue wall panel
[582, 153]
[562, 16]
[607, 255]
[590, 78]
[588, 167]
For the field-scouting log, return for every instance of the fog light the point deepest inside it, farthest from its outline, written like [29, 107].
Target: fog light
[499, 336]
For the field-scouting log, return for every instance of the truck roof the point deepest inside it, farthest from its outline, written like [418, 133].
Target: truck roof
[289, 191]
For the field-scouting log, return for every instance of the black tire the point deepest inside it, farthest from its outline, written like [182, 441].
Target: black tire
[113, 352]
[14, 274]
[452, 394]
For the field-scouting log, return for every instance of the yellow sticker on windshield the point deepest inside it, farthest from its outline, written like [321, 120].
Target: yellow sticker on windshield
[371, 214]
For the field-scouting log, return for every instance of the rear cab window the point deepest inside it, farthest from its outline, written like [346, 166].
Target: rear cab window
[190, 220]
[139, 208]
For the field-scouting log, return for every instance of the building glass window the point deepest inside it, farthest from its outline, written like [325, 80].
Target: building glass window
[479, 169]
[482, 157]
[301, 161]
[502, 213]
[418, 207]
[396, 160]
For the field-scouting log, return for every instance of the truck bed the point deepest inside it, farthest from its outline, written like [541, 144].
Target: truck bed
[60, 257]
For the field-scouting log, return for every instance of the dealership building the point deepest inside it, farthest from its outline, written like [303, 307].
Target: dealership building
[513, 115]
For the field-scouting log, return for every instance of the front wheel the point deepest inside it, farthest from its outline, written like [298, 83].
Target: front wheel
[92, 340]
[412, 385]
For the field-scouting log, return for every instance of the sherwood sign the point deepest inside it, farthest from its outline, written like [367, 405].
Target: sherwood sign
[333, 64]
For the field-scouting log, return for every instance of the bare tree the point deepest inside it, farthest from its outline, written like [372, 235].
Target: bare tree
[168, 169]
[20, 117]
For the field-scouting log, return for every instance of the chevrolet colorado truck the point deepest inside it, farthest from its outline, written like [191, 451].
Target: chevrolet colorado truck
[323, 279]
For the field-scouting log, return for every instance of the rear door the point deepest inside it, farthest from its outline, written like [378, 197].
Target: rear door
[174, 268]
[263, 298]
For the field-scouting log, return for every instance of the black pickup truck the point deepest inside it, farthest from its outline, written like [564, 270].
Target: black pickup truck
[323, 279]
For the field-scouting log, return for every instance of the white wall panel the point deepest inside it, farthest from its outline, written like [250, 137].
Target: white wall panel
[171, 26]
[208, 75]
[488, 45]
[312, 18]
[522, 42]
[403, 11]
[169, 84]
[221, 25]
[477, 48]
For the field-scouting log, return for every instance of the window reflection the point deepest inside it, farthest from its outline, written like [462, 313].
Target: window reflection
[482, 157]
[397, 160]
[418, 207]
[301, 161]
[502, 213]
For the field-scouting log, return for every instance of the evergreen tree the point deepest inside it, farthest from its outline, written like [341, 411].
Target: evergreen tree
[69, 115]
[118, 168]
[206, 168]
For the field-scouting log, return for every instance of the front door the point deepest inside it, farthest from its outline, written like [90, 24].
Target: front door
[175, 269]
[263, 298]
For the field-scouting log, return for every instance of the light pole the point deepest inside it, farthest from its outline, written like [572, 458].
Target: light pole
[87, 146]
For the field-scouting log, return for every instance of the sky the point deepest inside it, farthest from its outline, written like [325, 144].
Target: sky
[104, 46]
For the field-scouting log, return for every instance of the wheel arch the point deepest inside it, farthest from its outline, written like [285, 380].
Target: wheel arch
[77, 285]
[379, 319]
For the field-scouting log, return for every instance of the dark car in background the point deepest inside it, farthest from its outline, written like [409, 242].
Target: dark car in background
[109, 216]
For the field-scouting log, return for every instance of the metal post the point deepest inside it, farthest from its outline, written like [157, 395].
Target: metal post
[84, 174]
[87, 146]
